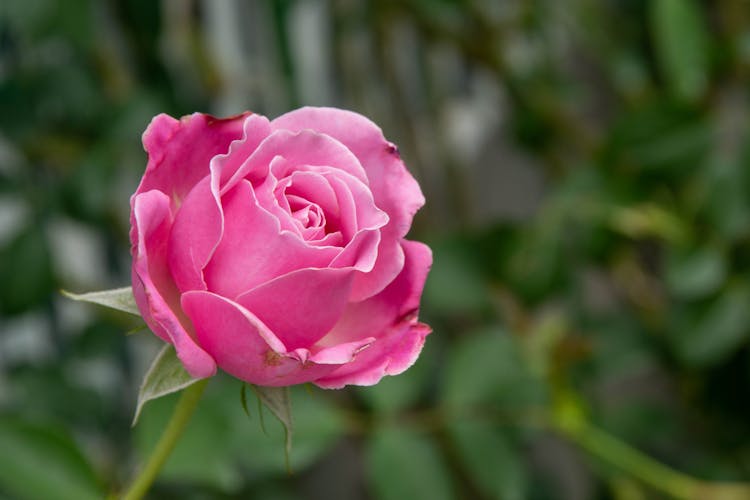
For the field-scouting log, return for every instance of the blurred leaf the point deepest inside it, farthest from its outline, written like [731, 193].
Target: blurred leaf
[681, 42]
[165, 376]
[709, 335]
[25, 271]
[489, 459]
[404, 465]
[487, 368]
[724, 197]
[42, 462]
[695, 272]
[276, 399]
[456, 286]
[658, 136]
[649, 220]
[119, 298]
[535, 266]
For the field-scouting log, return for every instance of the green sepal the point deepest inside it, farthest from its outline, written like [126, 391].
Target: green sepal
[119, 298]
[277, 400]
[165, 376]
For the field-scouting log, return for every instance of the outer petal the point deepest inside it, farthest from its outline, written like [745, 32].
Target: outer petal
[155, 293]
[179, 151]
[302, 148]
[197, 230]
[389, 355]
[254, 250]
[255, 129]
[243, 345]
[390, 317]
[302, 306]
[393, 187]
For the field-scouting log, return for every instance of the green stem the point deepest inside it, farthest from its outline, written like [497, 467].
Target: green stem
[639, 465]
[183, 411]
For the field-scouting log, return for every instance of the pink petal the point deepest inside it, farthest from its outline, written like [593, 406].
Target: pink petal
[255, 129]
[393, 187]
[179, 151]
[197, 230]
[315, 188]
[302, 306]
[389, 355]
[390, 317]
[155, 293]
[254, 249]
[302, 148]
[363, 211]
[388, 264]
[360, 253]
[242, 344]
[341, 353]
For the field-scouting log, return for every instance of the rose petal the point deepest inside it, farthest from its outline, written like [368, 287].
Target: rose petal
[155, 293]
[361, 253]
[243, 345]
[302, 306]
[179, 151]
[255, 129]
[388, 265]
[401, 298]
[197, 231]
[301, 148]
[254, 249]
[389, 316]
[389, 355]
[316, 189]
[341, 353]
[393, 187]
[356, 201]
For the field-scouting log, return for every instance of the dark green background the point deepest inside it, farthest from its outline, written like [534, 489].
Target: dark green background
[587, 170]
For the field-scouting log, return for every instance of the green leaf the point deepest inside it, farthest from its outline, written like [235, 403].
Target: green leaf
[165, 376]
[41, 462]
[681, 42]
[26, 271]
[120, 298]
[243, 398]
[277, 400]
[711, 334]
[489, 459]
[487, 369]
[403, 465]
[696, 272]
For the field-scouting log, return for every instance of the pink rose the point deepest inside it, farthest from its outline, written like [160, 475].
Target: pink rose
[276, 251]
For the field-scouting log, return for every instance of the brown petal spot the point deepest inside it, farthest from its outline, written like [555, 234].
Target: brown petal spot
[272, 358]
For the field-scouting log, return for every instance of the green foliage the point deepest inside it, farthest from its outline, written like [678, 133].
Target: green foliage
[407, 465]
[41, 461]
[681, 45]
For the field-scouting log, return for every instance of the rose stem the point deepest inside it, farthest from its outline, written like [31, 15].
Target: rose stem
[182, 412]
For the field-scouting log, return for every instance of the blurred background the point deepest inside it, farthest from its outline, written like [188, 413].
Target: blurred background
[587, 174]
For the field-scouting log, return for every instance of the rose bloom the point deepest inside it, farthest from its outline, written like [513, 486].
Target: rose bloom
[275, 250]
